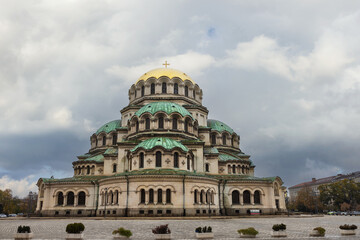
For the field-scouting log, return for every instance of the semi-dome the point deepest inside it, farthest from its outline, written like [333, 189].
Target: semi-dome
[166, 143]
[219, 126]
[110, 126]
[167, 107]
[167, 72]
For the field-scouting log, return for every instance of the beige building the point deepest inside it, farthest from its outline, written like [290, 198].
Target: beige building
[164, 157]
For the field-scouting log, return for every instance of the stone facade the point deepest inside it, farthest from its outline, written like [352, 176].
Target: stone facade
[164, 157]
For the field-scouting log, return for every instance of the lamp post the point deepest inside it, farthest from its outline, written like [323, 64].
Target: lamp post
[105, 201]
[209, 201]
[31, 195]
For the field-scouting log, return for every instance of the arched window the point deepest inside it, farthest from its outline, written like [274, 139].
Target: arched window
[88, 170]
[158, 159]
[151, 196]
[176, 160]
[147, 123]
[142, 196]
[202, 196]
[60, 199]
[70, 198]
[195, 196]
[104, 140]
[135, 92]
[159, 196]
[161, 122]
[243, 170]
[234, 169]
[137, 126]
[142, 91]
[188, 162]
[163, 88]
[194, 93]
[232, 141]
[257, 199]
[116, 196]
[114, 139]
[174, 123]
[152, 88]
[276, 189]
[186, 126]
[246, 197]
[114, 168]
[141, 161]
[186, 91]
[176, 88]
[81, 198]
[168, 196]
[213, 139]
[96, 142]
[207, 168]
[111, 196]
[224, 139]
[235, 197]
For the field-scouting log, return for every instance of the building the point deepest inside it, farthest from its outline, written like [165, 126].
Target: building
[163, 157]
[315, 183]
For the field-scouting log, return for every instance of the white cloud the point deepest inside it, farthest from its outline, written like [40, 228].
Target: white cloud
[21, 187]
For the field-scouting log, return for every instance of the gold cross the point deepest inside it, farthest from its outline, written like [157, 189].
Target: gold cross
[166, 64]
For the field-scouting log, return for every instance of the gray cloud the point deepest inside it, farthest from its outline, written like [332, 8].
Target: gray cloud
[284, 75]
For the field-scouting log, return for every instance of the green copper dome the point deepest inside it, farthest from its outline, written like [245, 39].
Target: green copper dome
[166, 143]
[219, 126]
[110, 126]
[167, 107]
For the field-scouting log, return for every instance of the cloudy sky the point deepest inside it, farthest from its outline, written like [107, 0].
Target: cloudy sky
[285, 75]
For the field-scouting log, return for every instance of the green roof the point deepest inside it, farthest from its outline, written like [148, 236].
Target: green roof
[97, 158]
[166, 143]
[167, 107]
[110, 126]
[162, 171]
[227, 157]
[211, 150]
[111, 150]
[219, 126]
[73, 179]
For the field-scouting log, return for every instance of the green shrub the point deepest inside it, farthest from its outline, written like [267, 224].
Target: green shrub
[23, 229]
[348, 227]
[123, 232]
[75, 228]
[203, 230]
[248, 231]
[279, 227]
[162, 229]
[320, 230]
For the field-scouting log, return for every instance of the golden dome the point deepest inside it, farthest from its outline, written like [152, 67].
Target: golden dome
[168, 72]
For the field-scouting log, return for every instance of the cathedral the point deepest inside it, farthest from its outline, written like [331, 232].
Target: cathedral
[163, 157]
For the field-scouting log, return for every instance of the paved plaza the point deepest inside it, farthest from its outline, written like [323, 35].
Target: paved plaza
[297, 227]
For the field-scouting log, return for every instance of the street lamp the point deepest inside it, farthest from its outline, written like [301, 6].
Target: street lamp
[105, 201]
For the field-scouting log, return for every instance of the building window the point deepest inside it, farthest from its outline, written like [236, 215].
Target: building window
[88, 170]
[176, 160]
[207, 168]
[201, 196]
[104, 140]
[195, 196]
[163, 88]
[116, 195]
[232, 141]
[246, 197]
[114, 139]
[194, 94]
[158, 159]
[176, 88]
[114, 168]
[188, 162]
[141, 161]
[159, 195]
[135, 92]
[142, 196]
[235, 197]
[276, 189]
[234, 169]
[152, 88]
[137, 126]
[81, 198]
[161, 122]
[60, 200]
[147, 123]
[257, 197]
[186, 126]
[142, 91]
[224, 139]
[70, 198]
[151, 196]
[213, 139]
[174, 123]
[186, 91]
[168, 196]
[96, 142]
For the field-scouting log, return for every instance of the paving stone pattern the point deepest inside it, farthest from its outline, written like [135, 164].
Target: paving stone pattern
[297, 227]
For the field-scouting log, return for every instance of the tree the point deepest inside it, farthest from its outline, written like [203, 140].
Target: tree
[306, 201]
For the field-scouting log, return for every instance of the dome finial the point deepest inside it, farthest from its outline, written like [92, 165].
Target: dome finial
[166, 64]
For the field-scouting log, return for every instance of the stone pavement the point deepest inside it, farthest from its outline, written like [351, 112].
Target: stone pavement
[297, 227]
